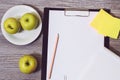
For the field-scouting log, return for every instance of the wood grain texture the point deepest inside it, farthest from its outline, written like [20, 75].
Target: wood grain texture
[10, 54]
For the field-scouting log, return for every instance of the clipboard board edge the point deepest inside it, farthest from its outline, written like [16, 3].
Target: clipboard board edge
[45, 44]
[50, 8]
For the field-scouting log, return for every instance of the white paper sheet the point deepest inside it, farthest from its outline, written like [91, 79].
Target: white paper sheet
[81, 54]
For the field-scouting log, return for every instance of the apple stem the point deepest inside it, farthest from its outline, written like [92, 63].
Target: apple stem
[10, 27]
[27, 63]
[27, 20]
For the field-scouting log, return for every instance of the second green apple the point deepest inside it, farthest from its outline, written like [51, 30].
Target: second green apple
[29, 21]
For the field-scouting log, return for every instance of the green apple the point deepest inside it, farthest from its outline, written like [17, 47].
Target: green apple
[27, 64]
[29, 21]
[11, 25]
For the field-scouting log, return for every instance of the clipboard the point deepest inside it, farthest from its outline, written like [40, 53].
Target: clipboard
[81, 54]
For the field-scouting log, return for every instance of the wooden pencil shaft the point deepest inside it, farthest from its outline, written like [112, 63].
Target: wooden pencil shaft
[53, 57]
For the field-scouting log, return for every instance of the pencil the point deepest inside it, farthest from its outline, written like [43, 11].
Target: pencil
[53, 56]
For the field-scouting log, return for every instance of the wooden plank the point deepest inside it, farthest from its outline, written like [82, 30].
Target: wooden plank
[10, 54]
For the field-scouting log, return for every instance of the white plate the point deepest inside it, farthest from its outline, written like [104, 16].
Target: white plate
[24, 37]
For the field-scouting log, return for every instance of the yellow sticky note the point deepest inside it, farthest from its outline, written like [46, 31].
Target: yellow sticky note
[106, 24]
[111, 29]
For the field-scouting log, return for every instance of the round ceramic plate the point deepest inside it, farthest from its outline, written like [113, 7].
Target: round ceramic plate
[24, 37]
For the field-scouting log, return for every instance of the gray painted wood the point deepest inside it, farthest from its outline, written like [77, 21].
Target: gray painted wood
[10, 54]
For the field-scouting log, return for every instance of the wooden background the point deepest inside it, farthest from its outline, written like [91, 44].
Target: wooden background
[10, 54]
